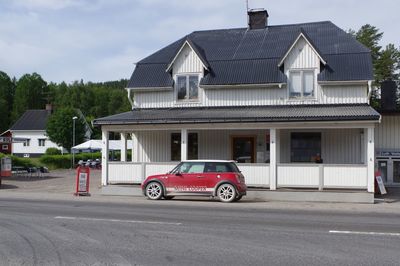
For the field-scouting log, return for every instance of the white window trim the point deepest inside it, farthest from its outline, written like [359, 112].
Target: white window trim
[303, 98]
[4, 147]
[183, 101]
[44, 142]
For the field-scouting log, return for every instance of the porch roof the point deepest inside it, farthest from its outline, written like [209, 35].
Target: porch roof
[243, 114]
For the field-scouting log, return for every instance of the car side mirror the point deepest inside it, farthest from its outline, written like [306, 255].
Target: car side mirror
[178, 174]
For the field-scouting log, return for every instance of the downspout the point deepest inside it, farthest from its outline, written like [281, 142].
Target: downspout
[369, 90]
[129, 97]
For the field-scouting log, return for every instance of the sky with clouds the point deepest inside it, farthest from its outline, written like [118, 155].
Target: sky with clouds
[100, 40]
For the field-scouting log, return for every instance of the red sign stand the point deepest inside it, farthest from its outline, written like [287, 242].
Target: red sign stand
[82, 181]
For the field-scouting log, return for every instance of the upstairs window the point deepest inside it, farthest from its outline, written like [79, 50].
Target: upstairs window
[301, 83]
[187, 87]
[27, 142]
[42, 142]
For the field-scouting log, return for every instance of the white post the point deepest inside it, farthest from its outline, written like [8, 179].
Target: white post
[135, 148]
[273, 157]
[123, 147]
[104, 156]
[370, 159]
[184, 144]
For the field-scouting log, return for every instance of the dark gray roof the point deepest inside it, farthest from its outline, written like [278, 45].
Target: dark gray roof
[282, 113]
[242, 56]
[32, 120]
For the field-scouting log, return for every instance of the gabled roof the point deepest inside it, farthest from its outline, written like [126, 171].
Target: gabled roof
[303, 35]
[32, 120]
[196, 49]
[242, 56]
[244, 114]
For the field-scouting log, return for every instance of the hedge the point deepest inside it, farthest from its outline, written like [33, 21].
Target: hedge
[64, 161]
[18, 161]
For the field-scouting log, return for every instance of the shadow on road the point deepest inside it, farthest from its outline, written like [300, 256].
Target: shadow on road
[5, 186]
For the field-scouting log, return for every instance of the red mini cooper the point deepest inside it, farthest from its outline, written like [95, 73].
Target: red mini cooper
[214, 178]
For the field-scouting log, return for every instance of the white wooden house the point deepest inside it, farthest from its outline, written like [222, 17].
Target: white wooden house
[30, 130]
[277, 99]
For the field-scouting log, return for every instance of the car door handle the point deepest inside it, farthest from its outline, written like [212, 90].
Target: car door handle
[200, 176]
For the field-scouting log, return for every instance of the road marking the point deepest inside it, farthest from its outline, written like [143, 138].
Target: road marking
[364, 233]
[113, 220]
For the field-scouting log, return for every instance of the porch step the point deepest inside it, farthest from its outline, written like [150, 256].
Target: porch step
[267, 195]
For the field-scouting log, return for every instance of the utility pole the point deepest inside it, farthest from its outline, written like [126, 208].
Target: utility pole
[73, 140]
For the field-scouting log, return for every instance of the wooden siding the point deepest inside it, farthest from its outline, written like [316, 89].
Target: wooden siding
[344, 94]
[254, 96]
[187, 62]
[387, 133]
[301, 56]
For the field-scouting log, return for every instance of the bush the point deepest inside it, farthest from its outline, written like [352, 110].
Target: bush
[18, 161]
[53, 151]
[64, 161]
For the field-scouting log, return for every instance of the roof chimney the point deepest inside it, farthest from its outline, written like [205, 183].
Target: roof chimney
[258, 18]
[388, 95]
[49, 108]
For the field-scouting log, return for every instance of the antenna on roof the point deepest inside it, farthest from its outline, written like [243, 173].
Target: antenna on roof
[247, 10]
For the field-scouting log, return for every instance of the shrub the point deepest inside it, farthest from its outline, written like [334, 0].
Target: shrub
[64, 161]
[53, 151]
[18, 161]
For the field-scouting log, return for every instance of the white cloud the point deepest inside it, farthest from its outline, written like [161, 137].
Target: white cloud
[47, 4]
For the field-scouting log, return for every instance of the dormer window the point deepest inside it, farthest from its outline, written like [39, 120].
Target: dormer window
[187, 87]
[301, 83]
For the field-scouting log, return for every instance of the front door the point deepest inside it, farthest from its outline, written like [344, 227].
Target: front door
[383, 169]
[243, 149]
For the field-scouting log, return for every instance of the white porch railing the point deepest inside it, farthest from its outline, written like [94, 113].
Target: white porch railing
[135, 173]
[345, 176]
[288, 175]
[255, 174]
[322, 176]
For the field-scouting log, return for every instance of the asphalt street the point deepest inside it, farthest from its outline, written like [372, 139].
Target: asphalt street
[180, 232]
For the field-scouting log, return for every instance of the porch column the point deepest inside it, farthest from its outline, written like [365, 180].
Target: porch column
[184, 145]
[370, 160]
[104, 156]
[135, 148]
[273, 157]
[123, 147]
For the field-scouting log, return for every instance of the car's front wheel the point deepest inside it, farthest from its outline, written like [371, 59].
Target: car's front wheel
[154, 191]
[226, 193]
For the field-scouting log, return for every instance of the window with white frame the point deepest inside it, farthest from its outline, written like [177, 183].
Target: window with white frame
[27, 142]
[187, 87]
[4, 147]
[42, 142]
[301, 83]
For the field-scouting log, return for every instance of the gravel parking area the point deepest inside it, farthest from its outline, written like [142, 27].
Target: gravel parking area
[57, 182]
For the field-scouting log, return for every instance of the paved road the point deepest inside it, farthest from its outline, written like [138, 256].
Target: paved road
[139, 232]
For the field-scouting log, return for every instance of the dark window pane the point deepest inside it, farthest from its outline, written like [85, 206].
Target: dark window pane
[181, 87]
[193, 146]
[175, 147]
[396, 171]
[305, 147]
[243, 149]
[193, 87]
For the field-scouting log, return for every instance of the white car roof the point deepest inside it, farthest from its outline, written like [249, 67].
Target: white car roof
[208, 161]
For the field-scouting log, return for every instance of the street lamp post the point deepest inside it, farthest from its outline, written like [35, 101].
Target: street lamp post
[73, 140]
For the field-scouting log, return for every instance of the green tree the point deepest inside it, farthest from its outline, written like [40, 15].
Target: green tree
[30, 93]
[6, 99]
[60, 127]
[388, 64]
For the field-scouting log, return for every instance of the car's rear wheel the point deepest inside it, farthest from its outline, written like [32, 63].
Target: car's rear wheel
[154, 191]
[226, 193]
